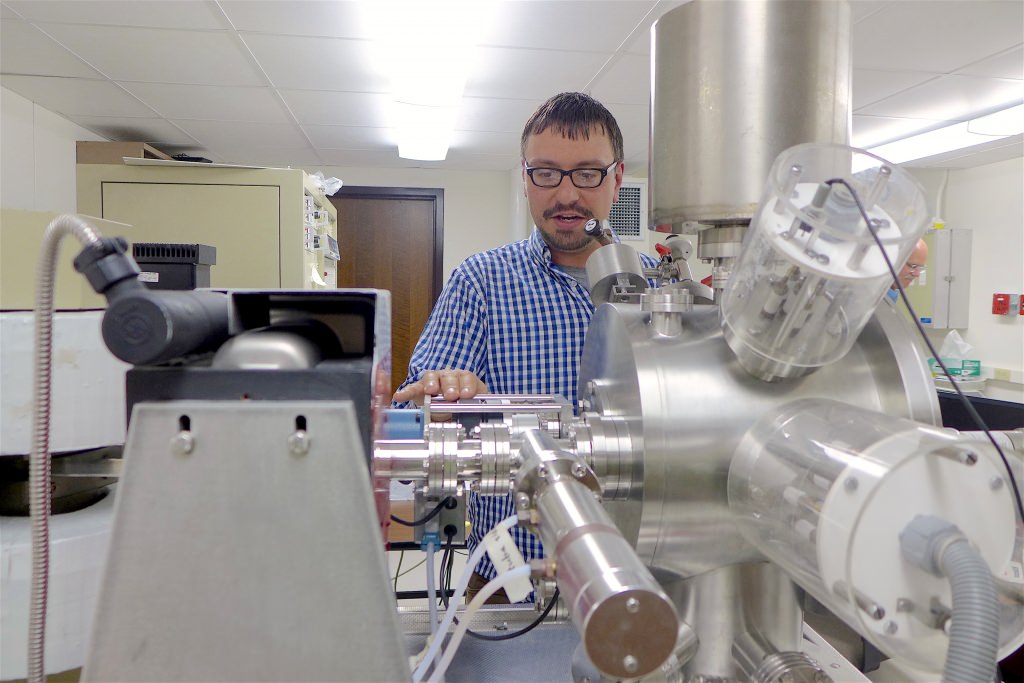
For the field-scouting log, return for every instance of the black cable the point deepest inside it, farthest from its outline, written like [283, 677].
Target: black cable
[913, 315]
[430, 515]
[526, 629]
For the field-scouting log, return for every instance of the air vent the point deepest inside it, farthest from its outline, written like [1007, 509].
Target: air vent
[628, 216]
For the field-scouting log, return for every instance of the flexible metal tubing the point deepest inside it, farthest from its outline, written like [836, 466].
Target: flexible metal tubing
[39, 457]
[974, 629]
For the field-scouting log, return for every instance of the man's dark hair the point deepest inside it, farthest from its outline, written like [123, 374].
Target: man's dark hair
[574, 115]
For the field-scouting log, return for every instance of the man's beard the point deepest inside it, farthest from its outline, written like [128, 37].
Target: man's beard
[567, 242]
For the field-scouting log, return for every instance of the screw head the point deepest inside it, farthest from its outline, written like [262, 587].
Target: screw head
[851, 484]
[298, 442]
[522, 500]
[891, 627]
[632, 605]
[630, 663]
[995, 483]
[183, 443]
[542, 471]
[579, 470]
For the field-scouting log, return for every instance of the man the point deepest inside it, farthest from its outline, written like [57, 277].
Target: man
[512, 320]
[911, 269]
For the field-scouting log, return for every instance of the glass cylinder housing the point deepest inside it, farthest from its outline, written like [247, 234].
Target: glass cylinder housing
[811, 273]
[824, 490]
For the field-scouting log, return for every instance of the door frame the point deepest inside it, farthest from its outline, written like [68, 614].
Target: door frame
[436, 195]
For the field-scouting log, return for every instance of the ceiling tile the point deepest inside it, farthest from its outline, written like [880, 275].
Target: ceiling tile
[382, 158]
[317, 63]
[869, 131]
[862, 9]
[872, 85]
[482, 142]
[337, 108]
[954, 98]
[213, 103]
[495, 114]
[296, 17]
[76, 96]
[530, 74]
[155, 13]
[470, 161]
[349, 137]
[26, 50]
[1009, 64]
[156, 132]
[270, 156]
[162, 56]
[936, 35]
[990, 153]
[556, 25]
[626, 81]
[221, 134]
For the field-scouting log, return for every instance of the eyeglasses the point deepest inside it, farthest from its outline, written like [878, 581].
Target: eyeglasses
[915, 267]
[583, 178]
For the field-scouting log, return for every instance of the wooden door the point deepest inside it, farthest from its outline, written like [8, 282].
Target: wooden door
[393, 238]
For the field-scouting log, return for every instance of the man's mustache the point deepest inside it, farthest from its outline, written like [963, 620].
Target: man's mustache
[567, 208]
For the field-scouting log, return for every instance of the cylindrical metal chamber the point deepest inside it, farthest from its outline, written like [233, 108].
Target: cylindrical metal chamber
[682, 403]
[734, 84]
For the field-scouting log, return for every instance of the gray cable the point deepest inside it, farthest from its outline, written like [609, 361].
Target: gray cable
[39, 457]
[974, 633]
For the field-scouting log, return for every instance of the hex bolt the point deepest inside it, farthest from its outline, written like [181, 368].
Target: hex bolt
[630, 664]
[183, 443]
[851, 484]
[632, 605]
[298, 442]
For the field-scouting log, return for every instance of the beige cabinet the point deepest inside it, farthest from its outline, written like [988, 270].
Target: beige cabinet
[270, 226]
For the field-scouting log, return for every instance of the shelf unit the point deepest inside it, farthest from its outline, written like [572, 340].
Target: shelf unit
[269, 225]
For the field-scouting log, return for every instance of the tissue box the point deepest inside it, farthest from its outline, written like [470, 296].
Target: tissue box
[956, 367]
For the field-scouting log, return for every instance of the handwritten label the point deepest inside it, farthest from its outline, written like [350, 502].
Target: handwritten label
[505, 557]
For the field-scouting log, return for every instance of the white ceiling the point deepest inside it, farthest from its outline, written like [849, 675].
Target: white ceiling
[292, 83]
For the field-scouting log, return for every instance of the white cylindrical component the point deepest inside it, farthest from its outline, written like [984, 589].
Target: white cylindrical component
[811, 274]
[824, 490]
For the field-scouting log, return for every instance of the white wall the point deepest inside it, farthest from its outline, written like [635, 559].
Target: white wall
[37, 156]
[988, 201]
[477, 204]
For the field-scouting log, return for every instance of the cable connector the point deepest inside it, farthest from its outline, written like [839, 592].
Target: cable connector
[924, 540]
[106, 263]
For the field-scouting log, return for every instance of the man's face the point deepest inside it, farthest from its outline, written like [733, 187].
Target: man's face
[561, 212]
[914, 265]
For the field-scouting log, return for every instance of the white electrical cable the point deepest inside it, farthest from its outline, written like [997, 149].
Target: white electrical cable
[460, 590]
[492, 587]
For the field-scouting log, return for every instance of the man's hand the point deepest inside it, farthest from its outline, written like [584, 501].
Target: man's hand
[450, 384]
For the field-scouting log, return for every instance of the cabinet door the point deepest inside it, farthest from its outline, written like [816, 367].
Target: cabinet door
[242, 221]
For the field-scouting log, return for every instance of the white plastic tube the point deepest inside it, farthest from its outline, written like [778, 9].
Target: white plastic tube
[460, 590]
[487, 591]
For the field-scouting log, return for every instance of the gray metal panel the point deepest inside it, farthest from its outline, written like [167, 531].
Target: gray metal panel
[242, 560]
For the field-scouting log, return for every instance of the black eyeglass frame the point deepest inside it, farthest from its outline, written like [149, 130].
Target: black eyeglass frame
[603, 171]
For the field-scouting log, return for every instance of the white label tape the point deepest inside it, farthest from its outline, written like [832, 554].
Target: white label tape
[505, 557]
[149, 276]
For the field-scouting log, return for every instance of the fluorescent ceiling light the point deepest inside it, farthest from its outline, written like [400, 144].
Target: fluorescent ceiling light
[426, 50]
[977, 131]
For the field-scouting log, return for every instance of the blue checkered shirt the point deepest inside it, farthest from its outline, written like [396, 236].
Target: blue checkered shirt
[517, 322]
